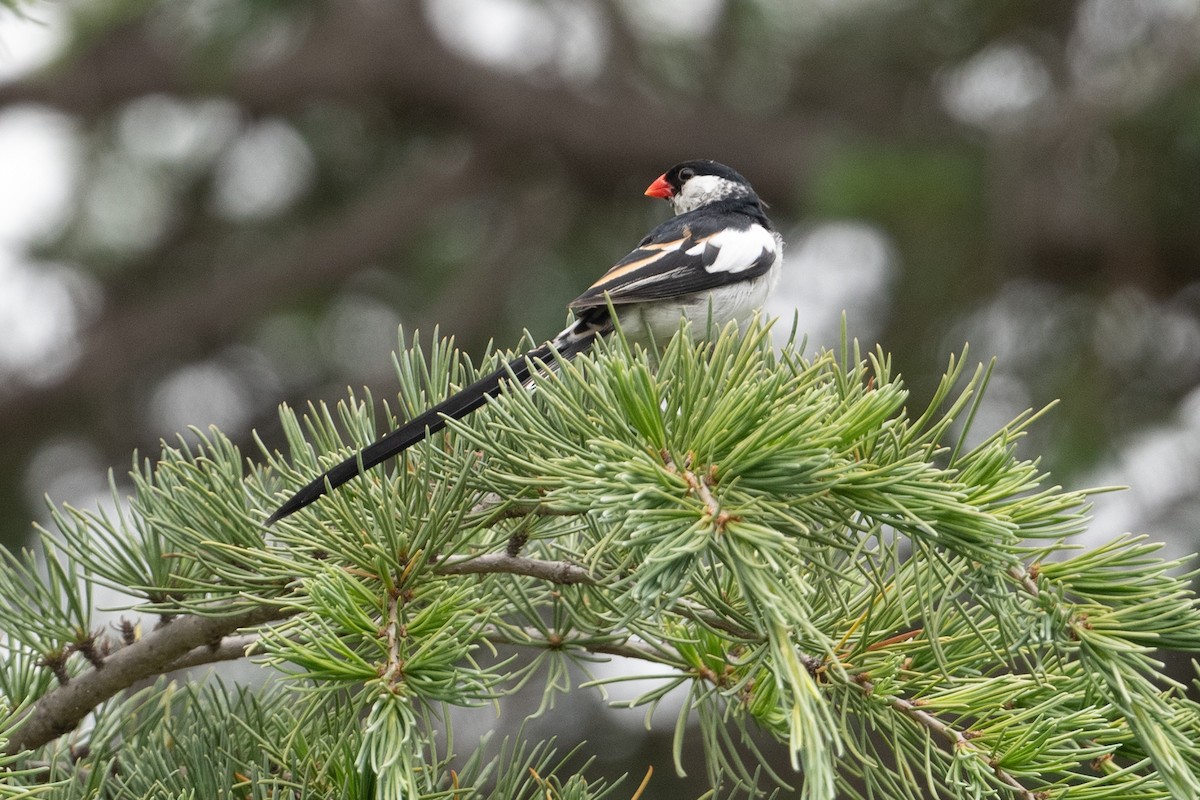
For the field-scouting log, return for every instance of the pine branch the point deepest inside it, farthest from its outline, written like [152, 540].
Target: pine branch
[802, 556]
[170, 647]
[189, 641]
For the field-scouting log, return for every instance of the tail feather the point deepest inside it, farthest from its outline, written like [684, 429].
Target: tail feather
[570, 343]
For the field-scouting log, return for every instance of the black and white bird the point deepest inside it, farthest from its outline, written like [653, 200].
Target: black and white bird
[717, 260]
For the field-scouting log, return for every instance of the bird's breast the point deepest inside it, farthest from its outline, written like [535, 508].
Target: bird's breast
[733, 301]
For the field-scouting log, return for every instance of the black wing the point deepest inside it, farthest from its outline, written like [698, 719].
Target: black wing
[690, 253]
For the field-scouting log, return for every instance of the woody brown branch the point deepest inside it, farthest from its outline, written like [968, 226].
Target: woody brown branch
[191, 641]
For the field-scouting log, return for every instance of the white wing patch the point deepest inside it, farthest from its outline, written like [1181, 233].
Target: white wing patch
[737, 249]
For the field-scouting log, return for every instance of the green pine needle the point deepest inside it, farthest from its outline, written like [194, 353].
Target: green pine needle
[811, 554]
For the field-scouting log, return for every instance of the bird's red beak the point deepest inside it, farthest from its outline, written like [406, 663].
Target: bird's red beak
[660, 188]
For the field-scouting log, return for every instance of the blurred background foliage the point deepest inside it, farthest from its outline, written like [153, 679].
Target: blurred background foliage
[215, 206]
[210, 207]
[234, 203]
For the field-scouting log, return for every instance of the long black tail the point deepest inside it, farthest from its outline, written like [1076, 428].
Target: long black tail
[570, 343]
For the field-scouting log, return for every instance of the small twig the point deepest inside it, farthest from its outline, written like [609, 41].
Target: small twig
[712, 620]
[393, 631]
[537, 638]
[1027, 578]
[955, 737]
[508, 510]
[562, 572]
[700, 484]
[230, 648]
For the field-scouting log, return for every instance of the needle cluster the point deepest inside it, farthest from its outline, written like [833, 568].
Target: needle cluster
[810, 555]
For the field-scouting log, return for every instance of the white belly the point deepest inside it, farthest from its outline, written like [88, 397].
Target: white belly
[735, 301]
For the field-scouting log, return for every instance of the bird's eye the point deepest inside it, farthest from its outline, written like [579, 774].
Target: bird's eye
[687, 173]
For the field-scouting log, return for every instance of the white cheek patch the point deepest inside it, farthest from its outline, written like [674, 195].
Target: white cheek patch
[737, 249]
[702, 186]
[701, 190]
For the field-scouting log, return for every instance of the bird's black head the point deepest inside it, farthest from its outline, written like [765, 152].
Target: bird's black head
[692, 184]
